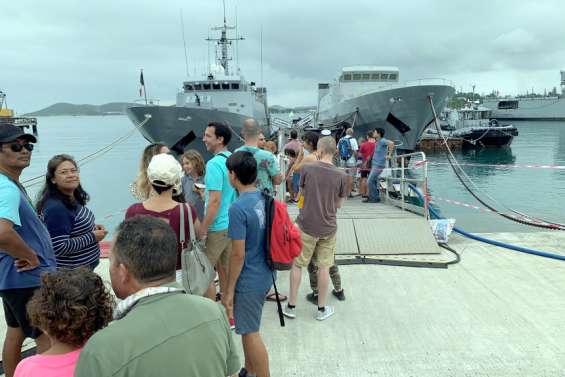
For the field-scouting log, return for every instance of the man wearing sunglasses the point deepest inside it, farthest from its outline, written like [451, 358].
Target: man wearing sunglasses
[25, 246]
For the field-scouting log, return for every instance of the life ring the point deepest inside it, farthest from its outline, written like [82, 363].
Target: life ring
[493, 123]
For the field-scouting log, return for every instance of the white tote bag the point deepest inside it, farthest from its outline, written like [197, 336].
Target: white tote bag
[197, 272]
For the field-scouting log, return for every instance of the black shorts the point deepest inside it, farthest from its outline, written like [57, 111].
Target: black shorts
[364, 173]
[15, 301]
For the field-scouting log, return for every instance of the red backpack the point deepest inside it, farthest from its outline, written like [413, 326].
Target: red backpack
[283, 242]
[283, 238]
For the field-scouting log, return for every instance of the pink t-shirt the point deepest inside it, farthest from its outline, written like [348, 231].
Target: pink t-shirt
[48, 365]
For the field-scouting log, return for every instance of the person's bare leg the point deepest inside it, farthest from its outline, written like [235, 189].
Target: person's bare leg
[349, 184]
[323, 282]
[12, 350]
[295, 277]
[254, 349]
[363, 187]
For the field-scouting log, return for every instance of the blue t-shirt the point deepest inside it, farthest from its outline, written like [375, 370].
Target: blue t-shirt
[247, 222]
[15, 208]
[379, 157]
[217, 180]
[267, 167]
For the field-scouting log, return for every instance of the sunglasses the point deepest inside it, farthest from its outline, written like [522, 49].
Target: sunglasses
[17, 147]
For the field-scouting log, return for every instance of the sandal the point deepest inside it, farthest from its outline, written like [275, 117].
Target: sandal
[273, 297]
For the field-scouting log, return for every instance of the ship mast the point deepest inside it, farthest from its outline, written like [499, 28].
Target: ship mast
[223, 43]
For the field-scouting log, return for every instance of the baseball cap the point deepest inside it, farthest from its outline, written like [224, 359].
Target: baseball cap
[165, 171]
[9, 132]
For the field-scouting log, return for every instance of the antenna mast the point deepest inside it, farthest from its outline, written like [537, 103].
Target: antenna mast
[223, 43]
[261, 56]
[236, 41]
[184, 43]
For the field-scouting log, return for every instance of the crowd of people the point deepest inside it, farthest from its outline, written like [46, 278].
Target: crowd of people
[49, 249]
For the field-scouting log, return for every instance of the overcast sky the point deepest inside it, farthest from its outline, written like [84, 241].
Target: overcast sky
[92, 51]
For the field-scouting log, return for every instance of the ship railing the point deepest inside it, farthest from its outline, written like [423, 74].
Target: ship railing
[410, 83]
[149, 102]
[429, 81]
[399, 186]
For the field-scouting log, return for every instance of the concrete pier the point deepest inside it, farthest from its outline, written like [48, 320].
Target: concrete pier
[496, 313]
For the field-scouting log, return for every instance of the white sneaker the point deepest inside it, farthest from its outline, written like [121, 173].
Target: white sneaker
[327, 313]
[288, 312]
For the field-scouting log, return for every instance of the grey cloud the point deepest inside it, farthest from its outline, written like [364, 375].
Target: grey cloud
[91, 52]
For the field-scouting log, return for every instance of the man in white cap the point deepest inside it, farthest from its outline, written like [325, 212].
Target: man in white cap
[25, 246]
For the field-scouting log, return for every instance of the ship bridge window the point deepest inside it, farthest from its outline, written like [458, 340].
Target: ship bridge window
[235, 86]
[206, 86]
[198, 87]
[216, 86]
[384, 76]
[356, 76]
[232, 104]
[225, 86]
[392, 76]
[188, 87]
[507, 105]
[366, 76]
[375, 76]
[346, 77]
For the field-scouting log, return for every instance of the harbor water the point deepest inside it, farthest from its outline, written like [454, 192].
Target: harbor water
[535, 191]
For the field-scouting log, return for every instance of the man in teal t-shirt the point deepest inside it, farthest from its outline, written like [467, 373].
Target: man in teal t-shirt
[219, 196]
[268, 171]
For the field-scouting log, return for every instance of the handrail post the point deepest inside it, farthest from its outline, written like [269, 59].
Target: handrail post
[402, 178]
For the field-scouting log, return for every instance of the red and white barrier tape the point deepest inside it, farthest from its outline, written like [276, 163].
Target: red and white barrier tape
[520, 218]
[499, 166]
[458, 203]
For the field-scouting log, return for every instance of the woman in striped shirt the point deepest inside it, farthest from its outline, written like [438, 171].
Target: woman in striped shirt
[62, 206]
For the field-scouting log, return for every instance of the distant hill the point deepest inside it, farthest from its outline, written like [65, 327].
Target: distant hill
[298, 109]
[62, 108]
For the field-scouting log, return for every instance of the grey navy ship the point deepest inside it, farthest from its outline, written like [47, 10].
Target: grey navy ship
[529, 108]
[221, 95]
[367, 97]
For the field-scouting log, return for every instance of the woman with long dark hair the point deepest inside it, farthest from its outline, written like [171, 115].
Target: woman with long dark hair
[62, 206]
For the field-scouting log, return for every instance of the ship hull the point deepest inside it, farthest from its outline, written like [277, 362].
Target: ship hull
[169, 124]
[370, 111]
[529, 109]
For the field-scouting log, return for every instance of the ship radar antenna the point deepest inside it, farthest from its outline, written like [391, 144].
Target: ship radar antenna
[223, 43]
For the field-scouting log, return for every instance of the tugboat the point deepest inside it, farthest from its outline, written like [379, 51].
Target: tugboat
[473, 127]
[7, 116]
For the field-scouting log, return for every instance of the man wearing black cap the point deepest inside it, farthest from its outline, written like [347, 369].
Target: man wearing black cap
[25, 246]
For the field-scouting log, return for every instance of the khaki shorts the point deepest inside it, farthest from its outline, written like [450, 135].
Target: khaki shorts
[323, 247]
[218, 248]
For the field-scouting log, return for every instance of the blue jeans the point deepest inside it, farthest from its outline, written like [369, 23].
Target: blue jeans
[373, 183]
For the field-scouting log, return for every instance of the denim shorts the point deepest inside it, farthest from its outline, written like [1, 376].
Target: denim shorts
[247, 311]
[295, 182]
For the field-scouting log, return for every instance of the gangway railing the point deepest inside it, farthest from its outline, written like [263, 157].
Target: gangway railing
[398, 169]
[305, 121]
[279, 123]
